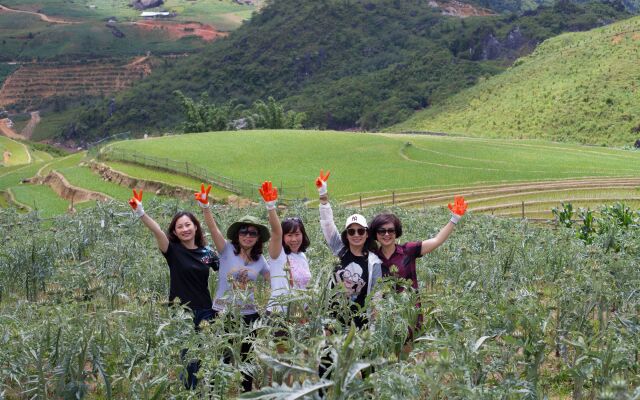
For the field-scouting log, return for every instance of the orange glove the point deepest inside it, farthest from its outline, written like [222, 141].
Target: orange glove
[203, 196]
[136, 203]
[321, 182]
[458, 208]
[269, 194]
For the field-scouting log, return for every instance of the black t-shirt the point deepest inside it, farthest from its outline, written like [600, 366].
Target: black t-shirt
[353, 274]
[189, 274]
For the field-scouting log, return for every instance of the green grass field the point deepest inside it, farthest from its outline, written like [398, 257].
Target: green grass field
[44, 199]
[39, 155]
[198, 10]
[26, 36]
[84, 178]
[224, 15]
[19, 152]
[90, 40]
[140, 172]
[579, 87]
[13, 177]
[372, 163]
[63, 162]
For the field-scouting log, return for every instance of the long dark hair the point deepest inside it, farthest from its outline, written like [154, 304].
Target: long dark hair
[256, 250]
[385, 218]
[199, 236]
[290, 225]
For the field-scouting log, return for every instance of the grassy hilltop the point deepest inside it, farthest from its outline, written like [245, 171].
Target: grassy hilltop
[501, 177]
[580, 87]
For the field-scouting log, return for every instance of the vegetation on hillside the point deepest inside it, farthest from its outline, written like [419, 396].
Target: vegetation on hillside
[203, 116]
[345, 64]
[579, 87]
[518, 6]
[82, 31]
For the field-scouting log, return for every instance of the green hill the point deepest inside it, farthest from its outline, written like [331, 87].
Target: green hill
[79, 29]
[346, 64]
[580, 87]
[372, 163]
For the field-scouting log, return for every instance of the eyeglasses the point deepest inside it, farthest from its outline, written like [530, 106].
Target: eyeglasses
[359, 231]
[248, 232]
[294, 219]
[383, 231]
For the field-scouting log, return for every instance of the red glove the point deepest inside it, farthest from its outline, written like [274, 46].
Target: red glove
[321, 182]
[136, 203]
[269, 194]
[458, 208]
[203, 196]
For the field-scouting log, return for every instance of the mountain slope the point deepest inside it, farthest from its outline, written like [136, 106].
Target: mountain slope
[346, 63]
[580, 87]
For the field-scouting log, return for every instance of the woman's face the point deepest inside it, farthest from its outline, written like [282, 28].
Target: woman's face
[386, 234]
[357, 235]
[293, 240]
[248, 236]
[185, 229]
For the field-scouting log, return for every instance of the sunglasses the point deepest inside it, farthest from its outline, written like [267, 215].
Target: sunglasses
[359, 231]
[294, 219]
[248, 232]
[383, 231]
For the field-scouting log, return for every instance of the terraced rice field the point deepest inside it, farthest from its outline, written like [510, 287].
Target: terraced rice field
[537, 198]
[34, 82]
[12, 153]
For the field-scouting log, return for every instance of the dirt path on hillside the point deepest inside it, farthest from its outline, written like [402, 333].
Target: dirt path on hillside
[43, 17]
[177, 30]
[159, 188]
[459, 9]
[67, 191]
[9, 132]
[27, 131]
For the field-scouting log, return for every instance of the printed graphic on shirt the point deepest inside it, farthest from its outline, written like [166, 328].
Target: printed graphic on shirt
[299, 272]
[240, 277]
[351, 278]
[210, 258]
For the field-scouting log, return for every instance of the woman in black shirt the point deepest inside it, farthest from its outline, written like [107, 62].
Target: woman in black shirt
[188, 257]
[189, 260]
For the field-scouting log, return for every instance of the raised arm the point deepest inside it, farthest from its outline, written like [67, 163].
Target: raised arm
[270, 196]
[329, 229]
[458, 208]
[161, 238]
[203, 201]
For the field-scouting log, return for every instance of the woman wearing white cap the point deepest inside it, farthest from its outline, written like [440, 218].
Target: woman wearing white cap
[359, 267]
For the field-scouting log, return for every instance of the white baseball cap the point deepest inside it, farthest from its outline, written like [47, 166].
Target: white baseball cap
[356, 219]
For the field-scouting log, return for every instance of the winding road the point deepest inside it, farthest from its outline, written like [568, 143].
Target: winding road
[43, 17]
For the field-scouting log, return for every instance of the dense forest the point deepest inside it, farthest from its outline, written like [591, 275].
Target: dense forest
[527, 5]
[346, 64]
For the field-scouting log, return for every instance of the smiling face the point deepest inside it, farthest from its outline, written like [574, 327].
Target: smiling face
[185, 230]
[248, 236]
[293, 240]
[386, 234]
[357, 235]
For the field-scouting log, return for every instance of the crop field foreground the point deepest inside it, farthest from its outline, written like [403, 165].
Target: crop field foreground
[411, 170]
[510, 311]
